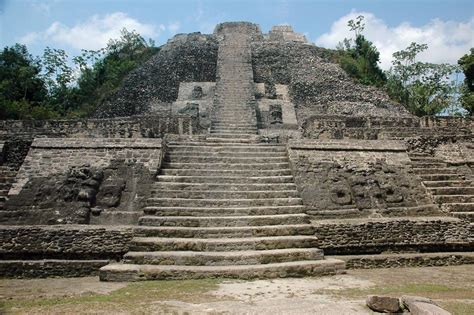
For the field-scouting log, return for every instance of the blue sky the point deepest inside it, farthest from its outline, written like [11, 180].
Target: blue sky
[446, 26]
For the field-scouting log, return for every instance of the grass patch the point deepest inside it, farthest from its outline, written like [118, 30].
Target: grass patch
[434, 291]
[458, 307]
[131, 298]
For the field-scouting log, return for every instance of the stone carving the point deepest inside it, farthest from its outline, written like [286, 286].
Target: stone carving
[197, 93]
[276, 114]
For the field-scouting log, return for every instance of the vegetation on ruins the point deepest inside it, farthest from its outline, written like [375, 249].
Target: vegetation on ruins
[49, 87]
[359, 57]
[467, 90]
[423, 88]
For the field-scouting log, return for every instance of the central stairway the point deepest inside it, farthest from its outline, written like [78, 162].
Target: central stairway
[227, 206]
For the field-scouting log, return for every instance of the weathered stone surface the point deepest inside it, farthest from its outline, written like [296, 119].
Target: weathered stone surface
[362, 175]
[317, 85]
[358, 236]
[186, 57]
[422, 306]
[63, 242]
[384, 304]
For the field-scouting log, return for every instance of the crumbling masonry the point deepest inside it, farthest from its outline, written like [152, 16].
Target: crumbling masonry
[236, 154]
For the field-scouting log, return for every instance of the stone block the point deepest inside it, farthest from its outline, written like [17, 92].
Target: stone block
[383, 304]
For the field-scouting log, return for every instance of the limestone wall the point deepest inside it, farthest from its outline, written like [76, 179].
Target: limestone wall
[357, 236]
[48, 156]
[356, 177]
[150, 126]
[65, 180]
[64, 242]
[379, 127]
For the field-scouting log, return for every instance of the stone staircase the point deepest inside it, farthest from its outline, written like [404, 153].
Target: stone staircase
[7, 177]
[227, 206]
[451, 189]
[223, 209]
[234, 105]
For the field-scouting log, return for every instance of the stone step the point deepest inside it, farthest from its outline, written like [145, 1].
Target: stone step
[428, 159]
[251, 257]
[452, 190]
[233, 131]
[232, 135]
[229, 121]
[227, 166]
[402, 260]
[208, 221]
[251, 172]
[437, 170]
[419, 155]
[217, 124]
[223, 159]
[459, 207]
[163, 186]
[216, 139]
[204, 144]
[226, 179]
[469, 216]
[224, 194]
[230, 148]
[307, 268]
[219, 211]
[235, 202]
[441, 177]
[454, 198]
[229, 128]
[448, 183]
[116, 218]
[259, 156]
[227, 232]
[428, 165]
[221, 244]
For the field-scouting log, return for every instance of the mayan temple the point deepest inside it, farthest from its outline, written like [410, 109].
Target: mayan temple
[238, 154]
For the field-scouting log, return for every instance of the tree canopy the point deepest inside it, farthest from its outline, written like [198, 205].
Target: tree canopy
[54, 85]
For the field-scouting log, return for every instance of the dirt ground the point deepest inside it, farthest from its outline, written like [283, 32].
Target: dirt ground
[451, 287]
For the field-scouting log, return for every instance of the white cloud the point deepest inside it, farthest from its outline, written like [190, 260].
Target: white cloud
[174, 27]
[95, 32]
[447, 40]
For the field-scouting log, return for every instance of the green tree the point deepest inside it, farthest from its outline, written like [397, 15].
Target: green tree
[466, 63]
[360, 58]
[22, 89]
[423, 88]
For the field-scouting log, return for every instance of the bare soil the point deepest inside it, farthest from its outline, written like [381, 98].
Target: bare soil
[451, 287]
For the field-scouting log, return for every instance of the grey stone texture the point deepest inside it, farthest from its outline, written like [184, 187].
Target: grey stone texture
[359, 177]
[422, 306]
[185, 58]
[316, 85]
[401, 260]
[383, 304]
[374, 236]
[149, 126]
[50, 268]
[247, 155]
[80, 242]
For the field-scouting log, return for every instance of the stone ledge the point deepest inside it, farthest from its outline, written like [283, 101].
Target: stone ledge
[348, 145]
[399, 260]
[64, 242]
[97, 143]
[383, 220]
[375, 236]
[50, 268]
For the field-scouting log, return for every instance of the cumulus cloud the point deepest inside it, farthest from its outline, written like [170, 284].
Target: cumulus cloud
[447, 40]
[95, 32]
